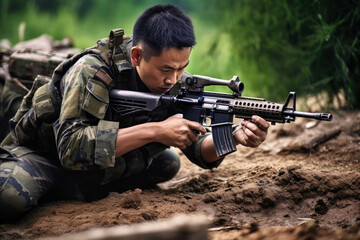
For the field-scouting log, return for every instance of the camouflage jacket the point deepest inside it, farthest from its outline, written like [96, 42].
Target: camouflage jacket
[68, 117]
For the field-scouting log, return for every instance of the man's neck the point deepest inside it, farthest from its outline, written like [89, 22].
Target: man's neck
[140, 86]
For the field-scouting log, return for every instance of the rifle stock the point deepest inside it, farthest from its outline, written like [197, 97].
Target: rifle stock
[220, 108]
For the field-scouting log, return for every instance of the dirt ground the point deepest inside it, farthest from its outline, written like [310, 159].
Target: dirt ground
[303, 182]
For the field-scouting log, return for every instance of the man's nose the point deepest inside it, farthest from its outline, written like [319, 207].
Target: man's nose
[172, 78]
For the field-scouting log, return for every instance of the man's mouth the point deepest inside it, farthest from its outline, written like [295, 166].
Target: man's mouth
[165, 89]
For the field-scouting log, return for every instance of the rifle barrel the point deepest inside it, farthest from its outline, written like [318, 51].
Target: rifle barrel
[318, 116]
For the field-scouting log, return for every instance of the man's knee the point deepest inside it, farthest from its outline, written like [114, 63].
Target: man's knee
[17, 191]
[165, 166]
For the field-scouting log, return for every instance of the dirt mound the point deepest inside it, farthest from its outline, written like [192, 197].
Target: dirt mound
[285, 189]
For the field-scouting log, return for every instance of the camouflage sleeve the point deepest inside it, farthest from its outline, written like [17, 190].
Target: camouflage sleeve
[84, 139]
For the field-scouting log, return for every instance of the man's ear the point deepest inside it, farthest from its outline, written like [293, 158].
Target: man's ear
[135, 55]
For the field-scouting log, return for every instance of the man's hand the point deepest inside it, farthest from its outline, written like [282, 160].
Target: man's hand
[178, 132]
[251, 133]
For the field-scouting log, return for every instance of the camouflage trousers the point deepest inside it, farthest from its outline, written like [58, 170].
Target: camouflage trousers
[26, 178]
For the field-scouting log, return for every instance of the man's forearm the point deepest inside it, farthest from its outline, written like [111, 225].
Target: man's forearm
[134, 137]
[208, 152]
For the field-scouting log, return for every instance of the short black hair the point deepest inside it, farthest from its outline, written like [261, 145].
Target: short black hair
[164, 26]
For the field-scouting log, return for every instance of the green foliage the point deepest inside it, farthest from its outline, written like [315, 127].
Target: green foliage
[306, 46]
[274, 46]
[86, 21]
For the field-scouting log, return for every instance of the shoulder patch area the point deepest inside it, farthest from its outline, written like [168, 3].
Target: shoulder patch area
[102, 75]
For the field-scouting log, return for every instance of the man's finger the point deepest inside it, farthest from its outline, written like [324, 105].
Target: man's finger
[253, 131]
[250, 134]
[195, 126]
[193, 136]
[252, 126]
[260, 122]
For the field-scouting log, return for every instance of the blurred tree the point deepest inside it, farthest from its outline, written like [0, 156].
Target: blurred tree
[307, 46]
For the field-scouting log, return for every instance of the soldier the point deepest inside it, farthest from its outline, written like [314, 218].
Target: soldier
[20, 65]
[63, 138]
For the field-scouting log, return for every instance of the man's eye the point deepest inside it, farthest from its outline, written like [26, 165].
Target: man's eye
[165, 70]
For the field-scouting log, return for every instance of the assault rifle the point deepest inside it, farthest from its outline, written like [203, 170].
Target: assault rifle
[198, 105]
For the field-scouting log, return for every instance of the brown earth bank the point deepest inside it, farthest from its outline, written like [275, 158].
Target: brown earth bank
[303, 182]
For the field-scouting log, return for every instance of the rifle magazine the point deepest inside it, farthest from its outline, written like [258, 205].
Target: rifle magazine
[223, 138]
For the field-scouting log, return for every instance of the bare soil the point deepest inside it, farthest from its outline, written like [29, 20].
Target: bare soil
[294, 186]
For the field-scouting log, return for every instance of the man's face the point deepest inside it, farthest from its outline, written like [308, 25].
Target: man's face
[160, 73]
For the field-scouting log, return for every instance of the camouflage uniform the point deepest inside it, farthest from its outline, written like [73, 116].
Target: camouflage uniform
[20, 65]
[67, 121]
